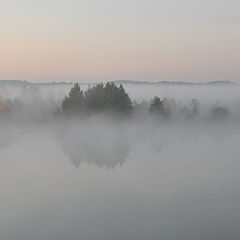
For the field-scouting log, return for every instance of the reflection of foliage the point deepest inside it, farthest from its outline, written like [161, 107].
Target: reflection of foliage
[101, 151]
[96, 155]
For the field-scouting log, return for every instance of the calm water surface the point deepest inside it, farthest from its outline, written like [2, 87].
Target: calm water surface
[160, 190]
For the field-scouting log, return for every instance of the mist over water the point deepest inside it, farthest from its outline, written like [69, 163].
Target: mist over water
[104, 177]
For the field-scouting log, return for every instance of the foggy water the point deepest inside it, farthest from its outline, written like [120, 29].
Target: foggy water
[102, 178]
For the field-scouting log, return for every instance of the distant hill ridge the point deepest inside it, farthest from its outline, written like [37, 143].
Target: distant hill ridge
[178, 83]
[128, 82]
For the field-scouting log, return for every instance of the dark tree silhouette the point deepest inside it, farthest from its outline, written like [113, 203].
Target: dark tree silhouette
[74, 101]
[95, 98]
[99, 98]
[118, 98]
[108, 97]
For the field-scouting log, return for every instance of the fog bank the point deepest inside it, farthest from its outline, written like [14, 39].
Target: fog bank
[104, 177]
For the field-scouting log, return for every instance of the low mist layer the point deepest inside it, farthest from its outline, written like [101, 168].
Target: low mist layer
[166, 170]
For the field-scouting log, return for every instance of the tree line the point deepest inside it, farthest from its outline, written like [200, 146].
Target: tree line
[102, 98]
[110, 97]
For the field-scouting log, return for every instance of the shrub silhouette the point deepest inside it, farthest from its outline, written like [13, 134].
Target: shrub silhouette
[157, 105]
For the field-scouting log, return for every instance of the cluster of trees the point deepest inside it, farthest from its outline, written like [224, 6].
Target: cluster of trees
[28, 105]
[108, 97]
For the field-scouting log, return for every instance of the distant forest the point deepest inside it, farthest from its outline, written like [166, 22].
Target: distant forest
[112, 98]
[109, 98]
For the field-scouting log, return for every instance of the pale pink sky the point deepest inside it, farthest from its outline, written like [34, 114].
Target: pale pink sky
[90, 40]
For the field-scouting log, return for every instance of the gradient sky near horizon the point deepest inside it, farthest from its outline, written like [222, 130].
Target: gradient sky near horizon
[103, 40]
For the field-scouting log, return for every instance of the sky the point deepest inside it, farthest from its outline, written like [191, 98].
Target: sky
[93, 40]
